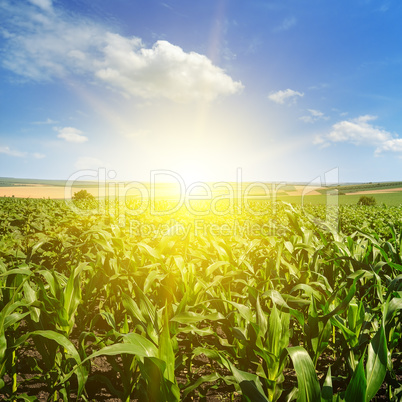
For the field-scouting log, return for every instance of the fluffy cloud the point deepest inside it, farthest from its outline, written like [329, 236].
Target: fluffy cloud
[6, 150]
[288, 95]
[10, 152]
[164, 70]
[360, 131]
[313, 116]
[41, 45]
[393, 145]
[71, 134]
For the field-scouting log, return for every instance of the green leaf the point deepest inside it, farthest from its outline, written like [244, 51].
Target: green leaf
[345, 302]
[72, 295]
[145, 249]
[277, 298]
[71, 350]
[132, 308]
[376, 365]
[210, 270]
[166, 352]
[327, 391]
[356, 390]
[17, 271]
[146, 346]
[158, 388]
[350, 337]
[187, 317]
[138, 348]
[7, 318]
[274, 332]
[394, 305]
[261, 317]
[27, 398]
[307, 382]
[244, 311]
[13, 318]
[51, 280]
[205, 378]
[213, 355]
[195, 330]
[31, 297]
[250, 385]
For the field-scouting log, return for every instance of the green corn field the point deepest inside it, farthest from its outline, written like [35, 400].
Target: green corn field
[257, 302]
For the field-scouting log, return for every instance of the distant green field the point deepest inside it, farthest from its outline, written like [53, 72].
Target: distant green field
[272, 191]
[351, 188]
[390, 199]
[12, 182]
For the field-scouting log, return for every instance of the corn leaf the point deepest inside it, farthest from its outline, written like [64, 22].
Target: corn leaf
[356, 390]
[250, 385]
[376, 365]
[307, 382]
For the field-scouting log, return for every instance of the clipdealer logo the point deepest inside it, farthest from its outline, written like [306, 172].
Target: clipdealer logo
[127, 202]
[148, 197]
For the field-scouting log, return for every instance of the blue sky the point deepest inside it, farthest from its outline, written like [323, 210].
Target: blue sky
[285, 90]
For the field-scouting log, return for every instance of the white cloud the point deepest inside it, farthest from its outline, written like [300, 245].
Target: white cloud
[6, 150]
[286, 24]
[10, 152]
[71, 134]
[38, 155]
[47, 121]
[314, 116]
[43, 46]
[6, 34]
[88, 162]
[287, 95]
[43, 4]
[360, 131]
[164, 71]
[393, 145]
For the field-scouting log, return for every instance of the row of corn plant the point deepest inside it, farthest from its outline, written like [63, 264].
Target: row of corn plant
[303, 311]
